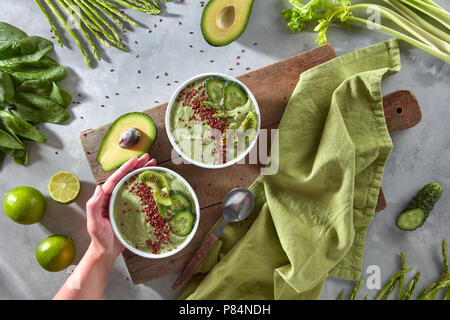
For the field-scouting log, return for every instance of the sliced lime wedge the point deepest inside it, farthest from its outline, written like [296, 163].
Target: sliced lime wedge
[64, 187]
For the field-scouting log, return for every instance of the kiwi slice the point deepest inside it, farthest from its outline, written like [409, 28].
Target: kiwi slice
[159, 184]
[250, 122]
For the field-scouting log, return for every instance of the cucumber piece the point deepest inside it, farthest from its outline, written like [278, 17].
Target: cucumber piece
[419, 208]
[180, 201]
[426, 198]
[410, 220]
[159, 184]
[234, 96]
[182, 223]
[214, 89]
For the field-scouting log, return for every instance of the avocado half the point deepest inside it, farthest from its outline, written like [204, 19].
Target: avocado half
[223, 21]
[111, 155]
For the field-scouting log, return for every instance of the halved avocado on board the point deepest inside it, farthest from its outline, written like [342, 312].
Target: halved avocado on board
[111, 155]
[223, 21]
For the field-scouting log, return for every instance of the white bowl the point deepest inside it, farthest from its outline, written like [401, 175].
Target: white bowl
[177, 148]
[149, 254]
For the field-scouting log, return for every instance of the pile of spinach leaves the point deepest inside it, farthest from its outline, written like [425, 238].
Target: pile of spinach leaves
[28, 91]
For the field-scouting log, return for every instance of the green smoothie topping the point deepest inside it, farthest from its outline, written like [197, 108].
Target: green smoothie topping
[147, 212]
[206, 112]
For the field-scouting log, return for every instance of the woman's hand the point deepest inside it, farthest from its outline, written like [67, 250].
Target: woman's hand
[99, 227]
[89, 278]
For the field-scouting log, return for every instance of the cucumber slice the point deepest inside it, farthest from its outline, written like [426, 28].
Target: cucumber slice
[180, 201]
[182, 223]
[159, 184]
[214, 89]
[234, 96]
[411, 219]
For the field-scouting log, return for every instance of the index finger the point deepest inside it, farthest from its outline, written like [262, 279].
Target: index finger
[109, 184]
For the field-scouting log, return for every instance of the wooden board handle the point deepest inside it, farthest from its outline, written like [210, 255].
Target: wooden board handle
[195, 261]
[401, 110]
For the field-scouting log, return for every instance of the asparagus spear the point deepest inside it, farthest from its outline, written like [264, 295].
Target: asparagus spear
[444, 282]
[402, 277]
[50, 22]
[72, 34]
[391, 288]
[100, 17]
[69, 7]
[411, 286]
[341, 295]
[111, 38]
[355, 289]
[138, 8]
[390, 283]
[107, 6]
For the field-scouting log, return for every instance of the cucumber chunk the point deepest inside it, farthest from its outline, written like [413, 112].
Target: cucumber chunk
[411, 219]
[234, 96]
[420, 207]
[214, 89]
[182, 223]
[180, 201]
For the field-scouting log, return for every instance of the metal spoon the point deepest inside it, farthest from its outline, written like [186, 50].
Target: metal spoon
[237, 205]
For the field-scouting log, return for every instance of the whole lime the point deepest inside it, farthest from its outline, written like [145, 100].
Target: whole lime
[56, 253]
[24, 205]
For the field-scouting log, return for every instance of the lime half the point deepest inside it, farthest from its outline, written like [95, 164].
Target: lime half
[64, 187]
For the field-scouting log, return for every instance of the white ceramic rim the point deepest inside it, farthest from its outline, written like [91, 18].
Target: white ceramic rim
[177, 148]
[149, 254]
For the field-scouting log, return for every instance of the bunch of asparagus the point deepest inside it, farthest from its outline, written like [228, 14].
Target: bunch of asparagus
[98, 18]
[429, 293]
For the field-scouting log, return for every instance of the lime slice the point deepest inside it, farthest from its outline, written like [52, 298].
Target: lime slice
[64, 187]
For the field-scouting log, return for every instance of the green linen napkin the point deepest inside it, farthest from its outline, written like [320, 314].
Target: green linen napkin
[311, 218]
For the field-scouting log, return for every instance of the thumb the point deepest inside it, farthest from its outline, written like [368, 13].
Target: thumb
[94, 205]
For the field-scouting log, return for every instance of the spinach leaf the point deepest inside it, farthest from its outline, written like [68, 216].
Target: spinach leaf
[2, 156]
[6, 87]
[19, 127]
[44, 69]
[8, 141]
[47, 89]
[19, 156]
[39, 109]
[26, 50]
[9, 32]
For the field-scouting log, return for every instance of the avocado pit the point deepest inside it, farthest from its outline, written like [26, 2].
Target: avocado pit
[129, 138]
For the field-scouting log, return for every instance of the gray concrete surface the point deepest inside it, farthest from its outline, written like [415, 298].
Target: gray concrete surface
[420, 154]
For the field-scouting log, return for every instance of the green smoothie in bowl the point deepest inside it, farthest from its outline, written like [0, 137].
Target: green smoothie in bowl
[213, 120]
[154, 212]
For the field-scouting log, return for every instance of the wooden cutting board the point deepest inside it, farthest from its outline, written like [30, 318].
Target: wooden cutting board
[272, 87]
